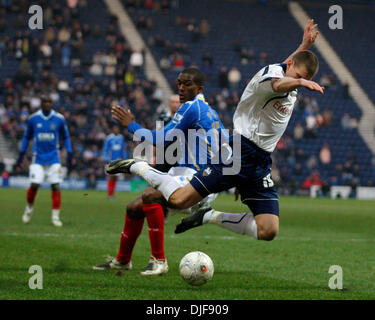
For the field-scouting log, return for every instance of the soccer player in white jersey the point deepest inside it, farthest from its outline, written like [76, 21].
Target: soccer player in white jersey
[45, 127]
[260, 120]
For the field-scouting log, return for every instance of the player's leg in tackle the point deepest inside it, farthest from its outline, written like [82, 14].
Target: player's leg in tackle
[153, 206]
[262, 223]
[183, 197]
[262, 226]
[134, 220]
[30, 198]
[136, 211]
[111, 187]
[56, 204]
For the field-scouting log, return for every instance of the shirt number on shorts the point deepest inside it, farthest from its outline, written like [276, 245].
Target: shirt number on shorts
[267, 181]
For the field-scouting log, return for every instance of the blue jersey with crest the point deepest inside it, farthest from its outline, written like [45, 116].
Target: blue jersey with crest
[46, 132]
[199, 129]
[114, 147]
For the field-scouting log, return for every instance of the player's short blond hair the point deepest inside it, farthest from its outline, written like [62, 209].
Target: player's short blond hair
[309, 60]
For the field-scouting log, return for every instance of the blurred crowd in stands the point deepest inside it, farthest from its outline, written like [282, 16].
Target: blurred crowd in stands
[84, 83]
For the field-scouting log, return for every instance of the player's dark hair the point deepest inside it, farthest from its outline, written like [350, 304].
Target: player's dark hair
[309, 60]
[198, 76]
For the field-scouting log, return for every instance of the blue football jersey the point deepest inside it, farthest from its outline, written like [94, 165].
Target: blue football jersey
[46, 133]
[202, 133]
[114, 148]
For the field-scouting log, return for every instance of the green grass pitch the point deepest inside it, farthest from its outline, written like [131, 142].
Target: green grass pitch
[314, 235]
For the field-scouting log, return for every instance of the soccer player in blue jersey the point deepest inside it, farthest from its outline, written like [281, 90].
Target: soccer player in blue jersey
[260, 119]
[194, 113]
[45, 127]
[114, 148]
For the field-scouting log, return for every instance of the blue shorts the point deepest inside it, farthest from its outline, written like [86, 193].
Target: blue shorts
[253, 180]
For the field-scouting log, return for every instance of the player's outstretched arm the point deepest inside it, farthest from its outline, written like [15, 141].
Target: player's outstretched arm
[288, 84]
[172, 129]
[124, 117]
[309, 35]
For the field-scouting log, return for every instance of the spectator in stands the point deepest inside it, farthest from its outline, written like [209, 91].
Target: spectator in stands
[136, 60]
[244, 57]
[325, 81]
[263, 58]
[325, 155]
[165, 63]
[234, 78]
[141, 23]
[204, 27]
[96, 69]
[97, 32]
[353, 183]
[237, 45]
[149, 4]
[347, 173]
[178, 63]
[297, 170]
[346, 122]
[195, 34]
[207, 57]
[65, 55]
[251, 56]
[313, 180]
[165, 6]
[223, 78]
[310, 131]
[353, 123]
[312, 162]
[327, 117]
[298, 131]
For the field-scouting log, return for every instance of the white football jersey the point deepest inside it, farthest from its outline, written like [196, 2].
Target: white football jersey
[262, 114]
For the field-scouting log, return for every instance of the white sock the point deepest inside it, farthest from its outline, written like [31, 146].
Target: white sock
[242, 223]
[28, 209]
[55, 214]
[162, 181]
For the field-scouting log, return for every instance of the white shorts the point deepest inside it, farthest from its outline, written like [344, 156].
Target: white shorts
[183, 175]
[38, 173]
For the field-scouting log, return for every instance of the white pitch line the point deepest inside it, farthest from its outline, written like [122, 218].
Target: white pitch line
[172, 236]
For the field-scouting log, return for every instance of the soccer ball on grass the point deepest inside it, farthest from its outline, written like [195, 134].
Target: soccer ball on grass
[196, 268]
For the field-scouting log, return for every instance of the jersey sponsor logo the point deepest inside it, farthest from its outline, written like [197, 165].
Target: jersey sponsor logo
[46, 136]
[116, 147]
[177, 118]
[207, 172]
[279, 107]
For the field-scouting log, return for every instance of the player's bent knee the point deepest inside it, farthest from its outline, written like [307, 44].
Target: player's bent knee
[184, 198]
[268, 226]
[178, 202]
[55, 187]
[134, 209]
[151, 195]
[267, 234]
[34, 186]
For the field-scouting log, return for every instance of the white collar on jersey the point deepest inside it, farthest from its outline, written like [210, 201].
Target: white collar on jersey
[52, 113]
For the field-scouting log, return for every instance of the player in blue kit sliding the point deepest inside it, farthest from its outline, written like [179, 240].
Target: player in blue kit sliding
[114, 148]
[45, 127]
[194, 117]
